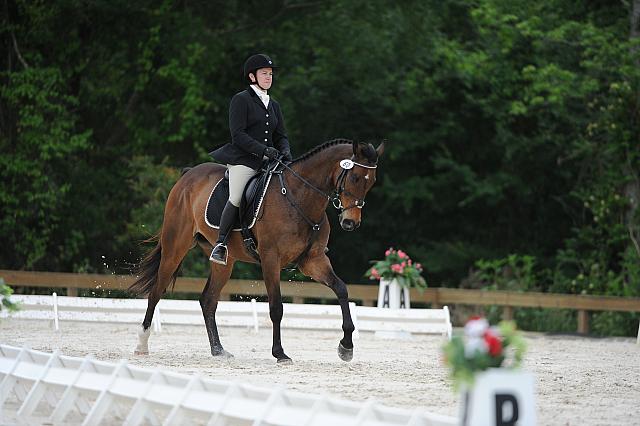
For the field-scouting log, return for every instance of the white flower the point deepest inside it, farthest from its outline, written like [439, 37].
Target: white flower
[476, 327]
[496, 332]
[473, 345]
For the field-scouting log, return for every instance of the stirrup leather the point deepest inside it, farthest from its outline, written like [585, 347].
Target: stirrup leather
[219, 254]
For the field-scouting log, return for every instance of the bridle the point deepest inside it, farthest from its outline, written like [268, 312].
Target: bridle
[346, 166]
[333, 197]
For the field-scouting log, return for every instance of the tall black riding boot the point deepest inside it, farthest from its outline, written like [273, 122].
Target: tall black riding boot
[227, 219]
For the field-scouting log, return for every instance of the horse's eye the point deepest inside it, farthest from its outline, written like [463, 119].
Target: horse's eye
[355, 178]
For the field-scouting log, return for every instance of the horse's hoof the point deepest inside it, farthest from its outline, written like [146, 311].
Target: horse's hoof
[285, 361]
[344, 353]
[137, 353]
[222, 354]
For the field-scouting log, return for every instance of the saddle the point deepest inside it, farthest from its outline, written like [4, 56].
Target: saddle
[250, 204]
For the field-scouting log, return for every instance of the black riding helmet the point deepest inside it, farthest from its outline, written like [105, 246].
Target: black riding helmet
[254, 63]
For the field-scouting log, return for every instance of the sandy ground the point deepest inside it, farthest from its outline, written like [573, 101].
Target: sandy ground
[579, 381]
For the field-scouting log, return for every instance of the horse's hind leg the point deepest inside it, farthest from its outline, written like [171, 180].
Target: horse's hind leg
[175, 242]
[218, 277]
[319, 268]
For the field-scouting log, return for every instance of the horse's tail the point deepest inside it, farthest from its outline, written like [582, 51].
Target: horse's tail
[147, 271]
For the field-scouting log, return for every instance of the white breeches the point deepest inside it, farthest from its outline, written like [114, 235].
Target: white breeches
[239, 175]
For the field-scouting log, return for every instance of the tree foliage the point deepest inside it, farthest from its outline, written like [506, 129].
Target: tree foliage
[511, 126]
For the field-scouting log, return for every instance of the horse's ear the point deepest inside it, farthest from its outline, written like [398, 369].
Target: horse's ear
[380, 149]
[359, 147]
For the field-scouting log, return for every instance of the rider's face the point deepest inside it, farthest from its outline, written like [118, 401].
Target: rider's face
[264, 76]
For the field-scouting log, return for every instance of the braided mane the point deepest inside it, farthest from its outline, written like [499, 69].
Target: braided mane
[322, 147]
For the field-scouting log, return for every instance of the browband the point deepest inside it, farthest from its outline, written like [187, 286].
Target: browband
[348, 164]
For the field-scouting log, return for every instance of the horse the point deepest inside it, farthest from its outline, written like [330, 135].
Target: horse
[292, 228]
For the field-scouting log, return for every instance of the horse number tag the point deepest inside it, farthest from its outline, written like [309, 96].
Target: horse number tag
[346, 164]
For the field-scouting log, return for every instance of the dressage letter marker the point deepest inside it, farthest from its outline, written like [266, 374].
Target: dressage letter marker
[499, 397]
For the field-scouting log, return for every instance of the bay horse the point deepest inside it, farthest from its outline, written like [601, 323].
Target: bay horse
[292, 228]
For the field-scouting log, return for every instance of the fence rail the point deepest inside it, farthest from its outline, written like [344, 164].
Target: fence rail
[254, 314]
[367, 294]
[49, 388]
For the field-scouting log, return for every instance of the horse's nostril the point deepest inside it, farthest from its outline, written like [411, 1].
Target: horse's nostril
[348, 225]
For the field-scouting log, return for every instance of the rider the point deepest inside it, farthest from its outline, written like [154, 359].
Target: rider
[257, 133]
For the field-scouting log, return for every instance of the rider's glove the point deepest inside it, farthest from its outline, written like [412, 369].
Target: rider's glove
[271, 153]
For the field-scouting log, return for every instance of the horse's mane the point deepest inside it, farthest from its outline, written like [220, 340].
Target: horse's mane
[322, 147]
[369, 151]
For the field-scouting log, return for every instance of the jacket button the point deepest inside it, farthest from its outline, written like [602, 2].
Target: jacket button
[267, 115]
[266, 131]
[265, 140]
[267, 123]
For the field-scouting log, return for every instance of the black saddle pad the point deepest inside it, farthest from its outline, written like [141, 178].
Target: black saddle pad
[250, 207]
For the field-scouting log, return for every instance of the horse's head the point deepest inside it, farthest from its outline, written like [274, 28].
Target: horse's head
[355, 177]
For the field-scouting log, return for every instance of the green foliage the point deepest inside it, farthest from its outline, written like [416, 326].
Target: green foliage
[5, 293]
[614, 323]
[512, 273]
[38, 149]
[512, 129]
[539, 319]
[520, 273]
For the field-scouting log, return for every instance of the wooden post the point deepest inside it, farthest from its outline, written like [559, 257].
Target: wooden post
[507, 313]
[583, 321]
[436, 302]
[72, 291]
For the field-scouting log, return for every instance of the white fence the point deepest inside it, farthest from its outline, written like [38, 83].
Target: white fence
[44, 388]
[254, 314]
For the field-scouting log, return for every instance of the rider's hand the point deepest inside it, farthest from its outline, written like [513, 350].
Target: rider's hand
[286, 157]
[271, 153]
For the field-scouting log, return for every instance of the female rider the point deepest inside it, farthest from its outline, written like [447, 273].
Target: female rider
[257, 132]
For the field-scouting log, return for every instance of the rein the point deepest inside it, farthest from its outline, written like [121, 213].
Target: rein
[334, 197]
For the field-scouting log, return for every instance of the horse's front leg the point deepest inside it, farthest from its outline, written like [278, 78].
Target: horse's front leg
[271, 275]
[319, 268]
[218, 277]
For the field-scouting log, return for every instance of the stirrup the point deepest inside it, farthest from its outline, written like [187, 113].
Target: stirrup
[217, 258]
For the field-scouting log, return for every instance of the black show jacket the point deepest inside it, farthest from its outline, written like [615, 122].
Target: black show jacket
[253, 127]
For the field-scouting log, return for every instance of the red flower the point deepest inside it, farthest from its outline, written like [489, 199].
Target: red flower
[494, 343]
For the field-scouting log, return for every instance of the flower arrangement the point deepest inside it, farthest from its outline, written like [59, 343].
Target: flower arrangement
[482, 347]
[397, 264]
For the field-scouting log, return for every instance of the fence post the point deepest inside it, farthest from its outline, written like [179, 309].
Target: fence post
[55, 311]
[583, 321]
[507, 313]
[254, 309]
[436, 302]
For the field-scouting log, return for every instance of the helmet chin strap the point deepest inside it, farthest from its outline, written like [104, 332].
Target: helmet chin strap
[256, 82]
